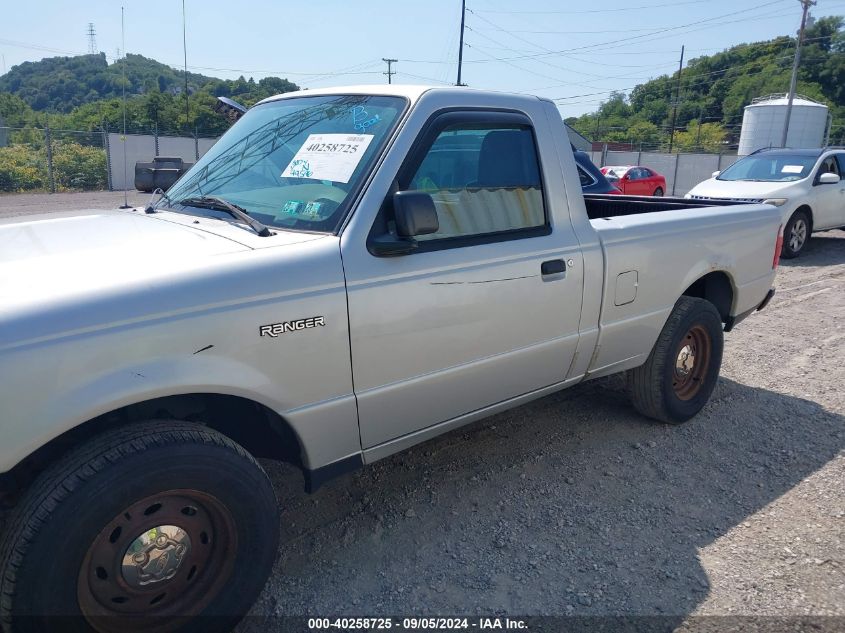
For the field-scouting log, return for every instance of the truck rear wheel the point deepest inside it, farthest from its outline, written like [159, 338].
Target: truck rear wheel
[682, 369]
[157, 526]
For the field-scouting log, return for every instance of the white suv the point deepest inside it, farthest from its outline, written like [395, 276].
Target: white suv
[805, 183]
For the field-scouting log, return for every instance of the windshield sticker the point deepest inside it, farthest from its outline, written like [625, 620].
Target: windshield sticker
[328, 157]
[792, 169]
[292, 207]
[362, 120]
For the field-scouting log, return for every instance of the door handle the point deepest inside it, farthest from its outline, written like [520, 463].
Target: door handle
[553, 267]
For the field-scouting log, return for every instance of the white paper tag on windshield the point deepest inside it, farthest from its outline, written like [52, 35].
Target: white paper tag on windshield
[328, 157]
[792, 169]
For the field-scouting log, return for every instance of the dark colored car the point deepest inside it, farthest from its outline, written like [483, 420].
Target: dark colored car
[592, 180]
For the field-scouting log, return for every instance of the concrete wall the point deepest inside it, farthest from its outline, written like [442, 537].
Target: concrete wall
[142, 147]
[682, 171]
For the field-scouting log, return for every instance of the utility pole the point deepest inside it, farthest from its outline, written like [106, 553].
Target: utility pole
[185, 51]
[389, 72]
[675, 103]
[698, 134]
[123, 139]
[461, 45]
[805, 5]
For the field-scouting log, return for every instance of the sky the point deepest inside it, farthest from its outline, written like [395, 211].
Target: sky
[573, 52]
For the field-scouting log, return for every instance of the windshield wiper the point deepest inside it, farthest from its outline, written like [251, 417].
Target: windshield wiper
[153, 207]
[215, 202]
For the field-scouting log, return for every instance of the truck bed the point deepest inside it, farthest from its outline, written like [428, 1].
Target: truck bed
[601, 205]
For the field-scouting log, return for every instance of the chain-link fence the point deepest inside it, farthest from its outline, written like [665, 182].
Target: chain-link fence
[34, 159]
[46, 159]
[682, 171]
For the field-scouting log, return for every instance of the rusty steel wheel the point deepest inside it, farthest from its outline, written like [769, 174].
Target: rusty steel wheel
[691, 362]
[164, 556]
[682, 369]
[160, 525]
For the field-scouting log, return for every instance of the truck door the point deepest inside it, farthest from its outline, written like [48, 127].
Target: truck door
[484, 310]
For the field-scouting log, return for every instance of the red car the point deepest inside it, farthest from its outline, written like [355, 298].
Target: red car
[635, 181]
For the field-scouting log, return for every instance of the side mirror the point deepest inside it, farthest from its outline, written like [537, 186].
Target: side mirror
[229, 108]
[415, 214]
[828, 179]
[715, 174]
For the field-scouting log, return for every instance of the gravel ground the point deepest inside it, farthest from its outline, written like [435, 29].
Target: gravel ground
[16, 204]
[576, 505]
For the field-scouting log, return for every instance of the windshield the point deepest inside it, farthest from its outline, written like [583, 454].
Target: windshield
[293, 163]
[773, 168]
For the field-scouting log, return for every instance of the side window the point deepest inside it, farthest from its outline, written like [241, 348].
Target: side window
[829, 166]
[840, 159]
[634, 174]
[586, 179]
[484, 179]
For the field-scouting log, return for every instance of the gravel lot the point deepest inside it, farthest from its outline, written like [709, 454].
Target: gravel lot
[17, 204]
[575, 505]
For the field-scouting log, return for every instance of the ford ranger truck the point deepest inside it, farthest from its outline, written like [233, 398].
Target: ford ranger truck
[345, 274]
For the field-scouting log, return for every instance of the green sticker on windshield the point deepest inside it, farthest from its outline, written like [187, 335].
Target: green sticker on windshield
[292, 207]
[312, 209]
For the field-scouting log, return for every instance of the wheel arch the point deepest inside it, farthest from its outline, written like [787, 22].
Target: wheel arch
[255, 426]
[809, 210]
[717, 288]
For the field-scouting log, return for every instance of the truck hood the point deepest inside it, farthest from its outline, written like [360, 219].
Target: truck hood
[742, 189]
[50, 259]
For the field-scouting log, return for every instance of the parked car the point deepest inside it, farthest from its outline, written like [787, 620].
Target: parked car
[150, 355]
[633, 180]
[805, 184]
[592, 178]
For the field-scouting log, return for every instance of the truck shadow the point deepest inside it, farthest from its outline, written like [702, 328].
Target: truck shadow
[823, 249]
[573, 504]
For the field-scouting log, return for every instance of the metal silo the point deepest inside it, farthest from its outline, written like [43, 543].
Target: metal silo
[762, 124]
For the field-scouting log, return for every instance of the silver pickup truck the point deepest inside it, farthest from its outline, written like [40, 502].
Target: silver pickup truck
[345, 274]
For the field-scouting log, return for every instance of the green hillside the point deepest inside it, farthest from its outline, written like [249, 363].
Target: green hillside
[83, 92]
[715, 89]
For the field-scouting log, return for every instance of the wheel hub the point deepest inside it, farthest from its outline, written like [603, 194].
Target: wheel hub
[798, 235]
[685, 361]
[164, 556]
[155, 556]
[692, 360]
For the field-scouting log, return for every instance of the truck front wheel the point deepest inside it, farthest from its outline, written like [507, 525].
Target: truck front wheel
[682, 369]
[157, 526]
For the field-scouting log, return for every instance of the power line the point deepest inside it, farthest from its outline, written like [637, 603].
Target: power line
[668, 29]
[648, 6]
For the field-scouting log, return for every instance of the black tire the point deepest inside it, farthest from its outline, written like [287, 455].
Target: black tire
[796, 234]
[660, 389]
[658, 193]
[56, 569]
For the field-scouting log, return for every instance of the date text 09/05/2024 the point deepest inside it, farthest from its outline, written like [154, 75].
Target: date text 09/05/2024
[416, 623]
